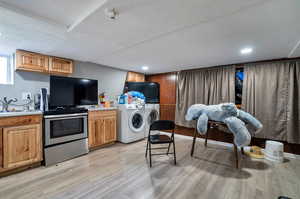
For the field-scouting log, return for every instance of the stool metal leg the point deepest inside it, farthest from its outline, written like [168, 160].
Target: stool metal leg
[206, 135]
[236, 156]
[150, 154]
[174, 151]
[194, 140]
[168, 148]
[147, 148]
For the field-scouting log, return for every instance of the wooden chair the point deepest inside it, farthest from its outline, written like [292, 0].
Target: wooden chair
[161, 125]
[213, 124]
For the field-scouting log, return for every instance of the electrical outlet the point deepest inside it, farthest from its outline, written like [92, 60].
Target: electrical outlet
[26, 96]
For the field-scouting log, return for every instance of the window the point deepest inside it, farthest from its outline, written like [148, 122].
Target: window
[6, 71]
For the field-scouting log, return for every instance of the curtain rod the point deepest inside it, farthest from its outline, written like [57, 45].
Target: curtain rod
[238, 65]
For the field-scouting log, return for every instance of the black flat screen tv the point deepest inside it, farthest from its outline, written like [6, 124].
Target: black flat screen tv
[151, 90]
[70, 92]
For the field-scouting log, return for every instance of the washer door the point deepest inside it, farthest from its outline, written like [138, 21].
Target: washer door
[153, 116]
[136, 122]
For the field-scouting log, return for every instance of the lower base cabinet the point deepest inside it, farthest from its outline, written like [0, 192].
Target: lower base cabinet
[102, 127]
[21, 145]
[20, 142]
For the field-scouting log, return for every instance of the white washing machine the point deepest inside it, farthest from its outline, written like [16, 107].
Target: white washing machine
[132, 123]
[151, 114]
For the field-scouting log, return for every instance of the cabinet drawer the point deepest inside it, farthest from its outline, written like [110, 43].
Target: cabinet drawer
[20, 120]
[100, 113]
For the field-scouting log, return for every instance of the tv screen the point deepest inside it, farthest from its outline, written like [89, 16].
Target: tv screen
[149, 89]
[86, 91]
[68, 92]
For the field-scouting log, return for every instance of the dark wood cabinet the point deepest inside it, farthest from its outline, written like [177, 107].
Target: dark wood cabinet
[167, 83]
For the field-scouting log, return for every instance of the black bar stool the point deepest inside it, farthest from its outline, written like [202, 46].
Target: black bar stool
[214, 124]
[161, 125]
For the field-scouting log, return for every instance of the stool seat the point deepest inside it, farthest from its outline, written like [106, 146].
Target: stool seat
[160, 139]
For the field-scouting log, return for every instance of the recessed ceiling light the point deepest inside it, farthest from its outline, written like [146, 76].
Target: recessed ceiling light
[0, 34]
[245, 51]
[145, 68]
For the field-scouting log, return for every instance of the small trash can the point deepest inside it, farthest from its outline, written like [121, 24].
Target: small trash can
[274, 151]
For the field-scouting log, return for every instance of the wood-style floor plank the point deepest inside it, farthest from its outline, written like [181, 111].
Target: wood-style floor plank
[122, 172]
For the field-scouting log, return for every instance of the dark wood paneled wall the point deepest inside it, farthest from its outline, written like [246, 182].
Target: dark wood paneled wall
[167, 83]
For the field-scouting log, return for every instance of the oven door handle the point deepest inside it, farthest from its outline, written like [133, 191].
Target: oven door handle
[65, 115]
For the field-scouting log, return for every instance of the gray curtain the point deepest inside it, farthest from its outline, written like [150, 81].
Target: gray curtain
[293, 108]
[271, 93]
[203, 86]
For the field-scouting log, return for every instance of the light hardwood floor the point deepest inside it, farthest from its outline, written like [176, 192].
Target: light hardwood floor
[121, 171]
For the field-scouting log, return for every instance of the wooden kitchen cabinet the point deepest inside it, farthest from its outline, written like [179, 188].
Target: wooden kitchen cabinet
[60, 66]
[102, 127]
[21, 145]
[135, 77]
[96, 135]
[20, 142]
[29, 61]
[1, 148]
[110, 129]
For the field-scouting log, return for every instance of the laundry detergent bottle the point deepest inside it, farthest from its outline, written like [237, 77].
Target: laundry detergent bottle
[122, 99]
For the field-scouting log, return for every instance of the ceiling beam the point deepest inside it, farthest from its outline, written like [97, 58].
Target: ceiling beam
[294, 49]
[86, 14]
[25, 13]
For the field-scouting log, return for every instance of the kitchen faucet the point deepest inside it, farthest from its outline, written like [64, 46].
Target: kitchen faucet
[6, 103]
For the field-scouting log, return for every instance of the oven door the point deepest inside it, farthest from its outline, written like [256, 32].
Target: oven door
[65, 128]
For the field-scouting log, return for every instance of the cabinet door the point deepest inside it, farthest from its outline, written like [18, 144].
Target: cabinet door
[135, 77]
[96, 132]
[140, 77]
[110, 134]
[60, 66]
[31, 61]
[21, 145]
[1, 148]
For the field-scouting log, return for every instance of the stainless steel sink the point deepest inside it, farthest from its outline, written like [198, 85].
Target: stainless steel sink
[19, 113]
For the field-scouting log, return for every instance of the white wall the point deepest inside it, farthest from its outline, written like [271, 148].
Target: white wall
[110, 80]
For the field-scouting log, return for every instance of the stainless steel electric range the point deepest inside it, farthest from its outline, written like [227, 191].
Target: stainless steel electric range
[65, 135]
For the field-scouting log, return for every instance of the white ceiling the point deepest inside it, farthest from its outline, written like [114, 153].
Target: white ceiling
[166, 35]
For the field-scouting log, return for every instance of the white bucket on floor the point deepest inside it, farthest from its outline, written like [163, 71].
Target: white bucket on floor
[274, 151]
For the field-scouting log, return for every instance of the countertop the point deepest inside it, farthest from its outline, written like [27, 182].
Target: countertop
[102, 108]
[23, 113]
[20, 113]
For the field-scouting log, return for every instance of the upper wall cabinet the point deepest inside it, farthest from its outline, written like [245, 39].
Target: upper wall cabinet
[60, 66]
[29, 61]
[135, 77]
